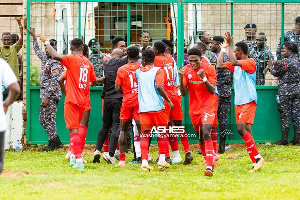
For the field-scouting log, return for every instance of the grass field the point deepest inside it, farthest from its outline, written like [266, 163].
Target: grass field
[34, 175]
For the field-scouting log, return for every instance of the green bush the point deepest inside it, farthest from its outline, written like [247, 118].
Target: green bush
[34, 76]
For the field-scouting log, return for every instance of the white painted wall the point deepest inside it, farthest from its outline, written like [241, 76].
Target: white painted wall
[14, 119]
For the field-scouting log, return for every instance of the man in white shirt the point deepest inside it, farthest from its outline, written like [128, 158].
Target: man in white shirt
[9, 80]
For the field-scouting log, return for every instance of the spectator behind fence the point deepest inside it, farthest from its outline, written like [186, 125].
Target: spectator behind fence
[9, 80]
[50, 92]
[145, 38]
[261, 54]
[9, 51]
[288, 71]
[205, 38]
[14, 39]
[290, 36]
[250, 33]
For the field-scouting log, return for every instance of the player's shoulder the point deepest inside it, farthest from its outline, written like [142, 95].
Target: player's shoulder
[250, 61]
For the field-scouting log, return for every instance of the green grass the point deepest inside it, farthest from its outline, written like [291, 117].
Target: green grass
[36, 175]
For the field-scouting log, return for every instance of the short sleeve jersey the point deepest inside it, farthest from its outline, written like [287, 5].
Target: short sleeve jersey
[166, 62]
[127, 80]
[7, 77]
[200, 98]
[79, 73]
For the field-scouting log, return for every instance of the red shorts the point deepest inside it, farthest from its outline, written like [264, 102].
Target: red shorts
[73, 115]
[88, 105]
[150, 119]
[203, 118]
[175, 114]
[129, 111]
[245, 113]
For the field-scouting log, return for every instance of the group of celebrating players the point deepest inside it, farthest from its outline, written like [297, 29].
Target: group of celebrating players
[150, 83]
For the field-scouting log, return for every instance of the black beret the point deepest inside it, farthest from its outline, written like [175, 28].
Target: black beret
[250, 25]
[94, 40]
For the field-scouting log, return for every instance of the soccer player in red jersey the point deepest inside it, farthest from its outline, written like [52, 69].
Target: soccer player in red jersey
[126, 84]
[166, 62]
[86, 115]
[152, 113]
[245, 98]
[199, 79]
[79, 75]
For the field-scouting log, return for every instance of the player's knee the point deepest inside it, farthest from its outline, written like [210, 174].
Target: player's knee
[206, 135]
[241, 129]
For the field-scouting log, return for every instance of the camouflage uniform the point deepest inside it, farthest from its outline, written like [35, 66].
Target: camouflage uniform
[51, 70]
[251, 44]
[261, 57]
[288, 72]
[97, 61]
[225, 79]
[289, 36]
[210, 55]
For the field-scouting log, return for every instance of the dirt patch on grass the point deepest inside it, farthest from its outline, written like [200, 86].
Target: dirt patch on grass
[14, 174]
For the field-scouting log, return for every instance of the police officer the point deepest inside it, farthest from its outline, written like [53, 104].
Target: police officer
[50, 92]
[96, 57]
[290, 36]
[224, 78]
[261, 54]
[288, 72]
[250, 33]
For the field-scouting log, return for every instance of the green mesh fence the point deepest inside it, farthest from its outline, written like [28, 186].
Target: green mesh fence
[182, 22]
[107, 20]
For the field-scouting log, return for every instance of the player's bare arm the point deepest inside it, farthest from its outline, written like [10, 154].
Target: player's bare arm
[210, 87]
[162, 92]
[14, 90]
[62, 84]
[229, 39]
[50, 49]
[182, 87]
[118, 89]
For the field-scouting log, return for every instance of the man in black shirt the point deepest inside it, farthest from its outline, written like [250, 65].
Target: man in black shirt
[112, 105]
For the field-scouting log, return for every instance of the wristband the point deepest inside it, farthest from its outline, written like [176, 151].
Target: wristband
[223, 50]
[204, 79]
[20, 26]
[47, 42]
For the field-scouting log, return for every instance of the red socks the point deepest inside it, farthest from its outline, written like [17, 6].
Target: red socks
[122, 156]
[202, 147]
[105, 145]
[214, 138]
[209, 152]
[251, 147]
[82, 135]
[185, 141]
[117, 148]
[173, 142]
[145, 145]
[75, 143]
[163, 145]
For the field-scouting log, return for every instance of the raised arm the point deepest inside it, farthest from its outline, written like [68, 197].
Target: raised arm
[20, 42]
[229, 39]
[53, 53]
[36, 45]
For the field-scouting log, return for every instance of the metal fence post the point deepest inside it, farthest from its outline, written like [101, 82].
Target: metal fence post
[282, 23]
[28, 105]
[128, 24]
[79, 20]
